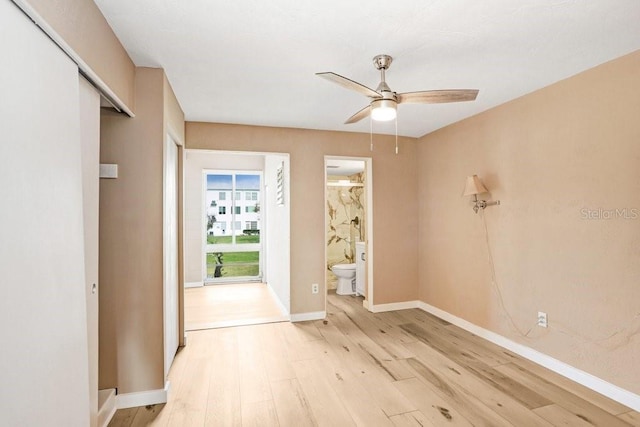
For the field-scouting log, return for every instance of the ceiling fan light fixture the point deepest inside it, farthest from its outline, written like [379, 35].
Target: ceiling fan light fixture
[383, 110]
[383, 104]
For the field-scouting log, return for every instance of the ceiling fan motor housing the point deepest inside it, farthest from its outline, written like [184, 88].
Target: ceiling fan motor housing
[382, 62]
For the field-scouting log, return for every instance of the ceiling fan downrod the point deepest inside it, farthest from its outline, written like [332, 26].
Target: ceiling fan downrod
[382, 63]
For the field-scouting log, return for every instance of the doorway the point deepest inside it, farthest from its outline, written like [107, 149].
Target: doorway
[236, 247]
[349, 227]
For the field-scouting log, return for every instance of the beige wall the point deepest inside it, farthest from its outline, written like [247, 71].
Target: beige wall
[131, 262]
[82, 26]
[394, 202]
[547, 156]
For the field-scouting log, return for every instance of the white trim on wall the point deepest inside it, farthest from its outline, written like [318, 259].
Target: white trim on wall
[379, 308]
[592, 382]
[193, 284]
[108, 406]
[369, 213]
[312, 315]
[143, 398]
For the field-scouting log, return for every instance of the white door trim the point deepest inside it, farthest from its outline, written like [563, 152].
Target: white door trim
[170, 252]
[368, 161]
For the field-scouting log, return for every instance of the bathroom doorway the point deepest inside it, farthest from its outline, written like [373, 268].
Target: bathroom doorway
[349, 227]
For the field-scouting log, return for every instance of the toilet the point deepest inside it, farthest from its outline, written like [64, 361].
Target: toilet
[346, 275]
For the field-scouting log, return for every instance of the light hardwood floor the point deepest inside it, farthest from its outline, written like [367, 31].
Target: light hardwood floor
[402, 368]
[221, 306]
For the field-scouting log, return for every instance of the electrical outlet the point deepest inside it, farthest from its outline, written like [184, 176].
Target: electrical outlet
[542, 319]
[314, 288]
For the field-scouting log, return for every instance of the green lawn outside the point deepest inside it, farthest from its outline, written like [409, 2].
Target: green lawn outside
[235, 264]
[227, 239]
[234, 257]
[235, 271]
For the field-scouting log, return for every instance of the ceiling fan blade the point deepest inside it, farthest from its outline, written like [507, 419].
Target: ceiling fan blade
[437, 96]
[359, 115]
[349, 84]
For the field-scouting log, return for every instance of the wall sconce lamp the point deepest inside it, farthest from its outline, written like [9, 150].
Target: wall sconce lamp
[472, 187]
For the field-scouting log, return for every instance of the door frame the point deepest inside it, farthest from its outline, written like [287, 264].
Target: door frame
[221, 159]
[368, 169]
[171, 300]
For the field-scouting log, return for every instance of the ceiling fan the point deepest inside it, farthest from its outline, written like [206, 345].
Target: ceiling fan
[384, 102]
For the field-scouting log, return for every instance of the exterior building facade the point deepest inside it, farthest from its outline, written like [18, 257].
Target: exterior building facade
[233, 212]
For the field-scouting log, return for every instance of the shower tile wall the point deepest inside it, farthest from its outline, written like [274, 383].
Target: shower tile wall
[344, 204]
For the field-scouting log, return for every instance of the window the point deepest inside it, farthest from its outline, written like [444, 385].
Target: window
[233, 251]
[225, 265]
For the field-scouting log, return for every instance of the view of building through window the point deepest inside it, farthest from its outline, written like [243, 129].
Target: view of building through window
[232, 204]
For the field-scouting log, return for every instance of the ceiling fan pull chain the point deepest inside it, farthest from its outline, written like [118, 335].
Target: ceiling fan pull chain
[396, 134]
[371, 132]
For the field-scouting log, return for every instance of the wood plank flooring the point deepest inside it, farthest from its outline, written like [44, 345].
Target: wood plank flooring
[402, 368]
[221, 306]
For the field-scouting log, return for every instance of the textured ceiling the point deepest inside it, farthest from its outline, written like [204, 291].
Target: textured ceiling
[341, 167]
[253, 61]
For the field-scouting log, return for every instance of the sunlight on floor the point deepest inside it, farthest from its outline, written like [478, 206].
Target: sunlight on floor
[220, 306]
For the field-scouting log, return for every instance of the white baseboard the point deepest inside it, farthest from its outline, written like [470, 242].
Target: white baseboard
[143, 398]
[193, 284]
[106, 406]
[601, 386]
[313, 315]
[283, 309]
[379, 308]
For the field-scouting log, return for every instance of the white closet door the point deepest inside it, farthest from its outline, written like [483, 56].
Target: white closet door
[43, 320]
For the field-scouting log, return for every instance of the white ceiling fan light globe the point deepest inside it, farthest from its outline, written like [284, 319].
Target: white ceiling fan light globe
[383, 110]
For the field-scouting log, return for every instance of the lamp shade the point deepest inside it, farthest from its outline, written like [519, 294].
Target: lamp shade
[473, 185]
[383, 110]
